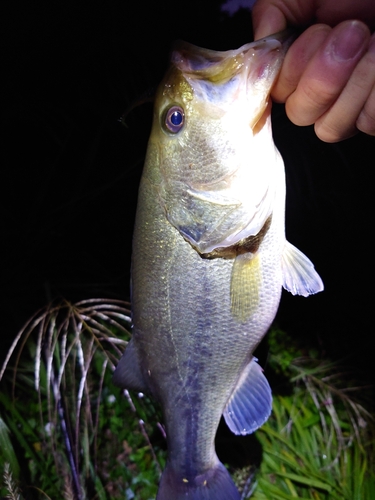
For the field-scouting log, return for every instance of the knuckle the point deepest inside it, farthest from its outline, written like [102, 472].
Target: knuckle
[319, 95]
[336, 125]
[327, 133]
[366, 121]
[307, 104]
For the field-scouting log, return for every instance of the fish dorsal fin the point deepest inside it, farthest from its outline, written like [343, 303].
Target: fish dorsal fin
[128, 373]
[244, 287]
[299, 275]
[250, 404]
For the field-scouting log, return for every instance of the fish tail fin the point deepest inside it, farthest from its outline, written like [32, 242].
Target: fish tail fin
[214, 484]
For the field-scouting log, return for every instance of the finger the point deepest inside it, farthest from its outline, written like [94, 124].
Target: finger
[328, 72]
[267, 19]
[271, 16]
[297, 59]
[355, 107]
[366, 120]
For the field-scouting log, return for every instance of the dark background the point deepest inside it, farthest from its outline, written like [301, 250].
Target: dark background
[70, 170]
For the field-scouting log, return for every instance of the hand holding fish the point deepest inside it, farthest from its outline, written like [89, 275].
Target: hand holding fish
[328, 76]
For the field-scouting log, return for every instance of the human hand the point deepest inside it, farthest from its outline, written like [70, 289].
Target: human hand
[328, 76]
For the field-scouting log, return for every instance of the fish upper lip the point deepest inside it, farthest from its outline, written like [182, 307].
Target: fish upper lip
[218, 78]
[206, 63]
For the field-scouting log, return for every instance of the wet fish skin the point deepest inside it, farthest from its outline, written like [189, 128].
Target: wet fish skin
[209, 258]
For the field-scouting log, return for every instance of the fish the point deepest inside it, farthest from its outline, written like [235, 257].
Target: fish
[209, 257]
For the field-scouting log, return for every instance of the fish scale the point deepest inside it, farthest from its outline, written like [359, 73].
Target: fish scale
[209, 258]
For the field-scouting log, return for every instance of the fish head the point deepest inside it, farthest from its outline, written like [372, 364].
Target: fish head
[216, 159]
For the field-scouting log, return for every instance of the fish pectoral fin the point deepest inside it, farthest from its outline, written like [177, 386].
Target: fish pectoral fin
[128, 373]
[244, 286]
[250, 404]
[299, 275]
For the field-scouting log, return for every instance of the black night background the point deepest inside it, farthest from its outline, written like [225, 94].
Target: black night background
[70, 170]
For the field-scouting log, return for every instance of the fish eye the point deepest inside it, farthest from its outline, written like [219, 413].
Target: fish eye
[174, 119]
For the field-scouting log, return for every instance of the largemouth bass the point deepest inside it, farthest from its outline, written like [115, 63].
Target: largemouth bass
[209, 258]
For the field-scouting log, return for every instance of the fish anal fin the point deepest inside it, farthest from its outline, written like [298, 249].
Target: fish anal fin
[128, 373]
[250, 404]
[244, 287]
[299, 275]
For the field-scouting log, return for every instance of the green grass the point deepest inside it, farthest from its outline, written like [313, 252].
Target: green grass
[319, 441]
[67, 432]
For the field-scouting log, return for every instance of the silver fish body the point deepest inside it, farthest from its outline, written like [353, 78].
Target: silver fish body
[209, 258]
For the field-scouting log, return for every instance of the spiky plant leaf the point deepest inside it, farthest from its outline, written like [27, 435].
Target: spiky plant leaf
[7, 454]
[12, 490]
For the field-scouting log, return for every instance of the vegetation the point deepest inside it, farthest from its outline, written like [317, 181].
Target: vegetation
[67, 432]
[319, 442]
[60, 408]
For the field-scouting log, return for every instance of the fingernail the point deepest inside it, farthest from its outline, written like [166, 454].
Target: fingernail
[347, 41]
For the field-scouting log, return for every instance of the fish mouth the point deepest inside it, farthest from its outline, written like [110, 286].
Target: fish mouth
[219, 77]
[208, 64]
